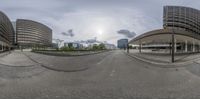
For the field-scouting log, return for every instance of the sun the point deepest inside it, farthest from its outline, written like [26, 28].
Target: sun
[100, 32]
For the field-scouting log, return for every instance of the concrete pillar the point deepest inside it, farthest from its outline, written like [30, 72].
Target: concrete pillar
[127, 48]
[193, 48]
[186, 46]
[1, 46]
[199, 48]
[140, 47]
[175, 46]
[170, 51]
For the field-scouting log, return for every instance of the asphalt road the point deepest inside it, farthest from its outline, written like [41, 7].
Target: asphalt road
[113, 75]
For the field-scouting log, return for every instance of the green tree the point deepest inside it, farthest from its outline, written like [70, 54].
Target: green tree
[102, 46]
[95, 47]
[70, 45]
[66, 48]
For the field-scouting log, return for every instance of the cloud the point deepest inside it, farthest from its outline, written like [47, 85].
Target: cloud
[90, 41]
[69, 33]
[126, 33]
[89, 16]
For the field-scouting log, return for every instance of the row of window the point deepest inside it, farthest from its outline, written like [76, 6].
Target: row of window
[6, 29]
[182, 17]
[32, 32]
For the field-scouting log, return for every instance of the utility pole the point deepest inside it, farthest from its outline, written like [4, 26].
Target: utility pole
[127, 48]
[172, 49]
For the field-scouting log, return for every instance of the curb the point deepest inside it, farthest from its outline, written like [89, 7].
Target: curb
[61, 55]
[54, 69]
[16, 66]
[4, 54]
[164, 65]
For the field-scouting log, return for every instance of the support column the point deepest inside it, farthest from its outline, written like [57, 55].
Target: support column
[193, 48]
[127, 48]
[175, 46]
[186, 46]
[170, 51]
[199, 47]
[140, 47]
[1, 46]
[172, 47]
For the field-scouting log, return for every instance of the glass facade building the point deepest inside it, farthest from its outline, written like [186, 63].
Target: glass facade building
[122, 43]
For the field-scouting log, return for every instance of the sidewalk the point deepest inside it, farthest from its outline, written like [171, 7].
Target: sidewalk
[16, 59]
[2, 54]
[165, 59]
[70, 53]
[66, 64]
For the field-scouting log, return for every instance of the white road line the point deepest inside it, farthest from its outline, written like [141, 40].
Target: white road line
[102, 60]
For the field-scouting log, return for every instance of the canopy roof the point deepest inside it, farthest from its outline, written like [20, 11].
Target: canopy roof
[164, 36]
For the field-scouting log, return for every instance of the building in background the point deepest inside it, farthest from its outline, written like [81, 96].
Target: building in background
[73, 45]
[15, 34]
[122, 43]
[6, 33]
[55, 46]
[88, 44]
[110, 46]
[31, 34]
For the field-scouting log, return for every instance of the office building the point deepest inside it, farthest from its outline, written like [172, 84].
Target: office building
[6, 33]
[180, 24]
[122, 43]
[32, 34]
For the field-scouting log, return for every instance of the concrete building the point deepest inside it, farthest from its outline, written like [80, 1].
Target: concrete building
[182, 23]
[73, 45]
[6, 32]
[15, 35]
[54, 45]
[110, 46]
[122, 43]
[32, 34]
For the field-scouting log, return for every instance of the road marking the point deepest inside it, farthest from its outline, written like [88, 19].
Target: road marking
[112, 73]
[102, 60]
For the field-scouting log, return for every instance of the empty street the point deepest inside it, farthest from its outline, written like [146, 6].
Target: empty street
[113, 75]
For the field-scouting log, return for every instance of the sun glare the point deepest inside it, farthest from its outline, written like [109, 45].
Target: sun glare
[100, 32]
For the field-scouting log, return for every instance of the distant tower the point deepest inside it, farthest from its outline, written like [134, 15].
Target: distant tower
[122, 43]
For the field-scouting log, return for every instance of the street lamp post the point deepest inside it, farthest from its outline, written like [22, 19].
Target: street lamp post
[127, 48]
[172, 49]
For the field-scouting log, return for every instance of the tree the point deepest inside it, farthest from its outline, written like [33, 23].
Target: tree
[102, 46]
[58, 42]
[70, 45]
[66, 48]
[95, 47]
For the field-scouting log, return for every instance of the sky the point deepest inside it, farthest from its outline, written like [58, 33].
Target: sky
[93, 18]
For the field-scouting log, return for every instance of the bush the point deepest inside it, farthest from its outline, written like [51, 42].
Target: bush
[99, 47]
[102, 46]
[67, 49]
